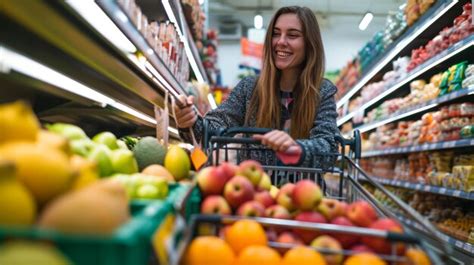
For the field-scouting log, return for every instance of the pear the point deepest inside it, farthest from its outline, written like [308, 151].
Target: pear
[123, 161]
[101, 155]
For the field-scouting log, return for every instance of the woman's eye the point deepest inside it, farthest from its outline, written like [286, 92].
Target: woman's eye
[276, 34]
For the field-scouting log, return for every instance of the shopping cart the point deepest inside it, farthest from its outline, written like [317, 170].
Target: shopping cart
[339, 177]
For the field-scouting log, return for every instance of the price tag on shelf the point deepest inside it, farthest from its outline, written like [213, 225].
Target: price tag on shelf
[457, 193]
[432, 146]
[472, 142]
[424, 147]
[427, 188]
[417, 186]
[413, 149]
[458, 244]
[442, 191]
[406, 185]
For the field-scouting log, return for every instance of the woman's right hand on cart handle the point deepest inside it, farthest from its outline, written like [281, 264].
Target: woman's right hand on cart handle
[186, 116]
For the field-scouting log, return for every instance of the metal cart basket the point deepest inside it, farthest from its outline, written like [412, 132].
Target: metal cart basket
[337, 174]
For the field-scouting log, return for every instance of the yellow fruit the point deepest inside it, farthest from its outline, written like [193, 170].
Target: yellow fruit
[17, 122]
[417, 257]
[208, 250]
[98, 209]
[177, 162]
[53, 140]
[159, 171]
[17, 206]
[244, 233]
[86, 171]
[44, 171]
[38, 253]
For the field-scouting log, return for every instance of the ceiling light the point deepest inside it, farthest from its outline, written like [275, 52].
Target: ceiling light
[364, 23]
[258, 21]
[201, 2]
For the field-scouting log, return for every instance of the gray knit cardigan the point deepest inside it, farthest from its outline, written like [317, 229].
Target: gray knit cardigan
[231, 113]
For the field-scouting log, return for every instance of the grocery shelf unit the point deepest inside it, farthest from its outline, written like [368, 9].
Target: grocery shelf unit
[432, 22]
[74, 71]
[426, 188]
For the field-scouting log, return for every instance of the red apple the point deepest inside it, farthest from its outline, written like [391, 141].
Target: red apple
[329, 243]
[277, 211]
[264, 198]
[229, 169]
[344, 206]
[252, 170]
[211, 181]
[381, 245]
[265, 182]
[288, 237]
[346, 240]
[251, 209]
[238, 190]
[306, 234]
[361, 213]
[359, 248]
[215, 204]
[331, 208]
[306, 195]
[284, 197]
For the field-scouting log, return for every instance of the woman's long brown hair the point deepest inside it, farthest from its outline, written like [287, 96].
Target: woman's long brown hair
[266, 96]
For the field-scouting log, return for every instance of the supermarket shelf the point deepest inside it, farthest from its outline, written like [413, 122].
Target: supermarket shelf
[123, 22]
[417, 109]
[420, 148]
[73, 63]
[429, 64]
[459, 245]
[426, 188]
[429, 19]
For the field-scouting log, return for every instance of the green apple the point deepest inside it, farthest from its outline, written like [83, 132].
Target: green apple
[106, 138]
[101, 155]
[147, 191]
[122, 145]
[123, 161]
[71, 132]
[81, 147]
[128, 182]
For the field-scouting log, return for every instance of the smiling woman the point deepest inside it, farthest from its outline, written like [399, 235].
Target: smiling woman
[289, 96]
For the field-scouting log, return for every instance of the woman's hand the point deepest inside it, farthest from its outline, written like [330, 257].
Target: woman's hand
[186, 116]
[277, 140]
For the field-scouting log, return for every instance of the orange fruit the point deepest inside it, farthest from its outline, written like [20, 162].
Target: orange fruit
[302, 256]
[244, 233]
[258, 255]
[417, 257]
[364, 258]
[209, 250]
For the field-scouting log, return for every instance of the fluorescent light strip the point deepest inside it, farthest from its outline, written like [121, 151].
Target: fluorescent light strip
[184, 39]
[364, 23]
[402, 44]
[90, 11]
[29, 67]
[405, 81]
[211, 100]
[398, 117]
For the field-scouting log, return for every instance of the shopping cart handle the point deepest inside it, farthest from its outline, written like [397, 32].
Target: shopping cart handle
[247, 130]
[405, 238]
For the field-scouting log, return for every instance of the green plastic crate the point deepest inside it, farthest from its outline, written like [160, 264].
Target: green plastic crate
[129, 245]
[179, 198]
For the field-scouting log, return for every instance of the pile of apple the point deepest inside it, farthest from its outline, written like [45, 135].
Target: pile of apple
[246, 190]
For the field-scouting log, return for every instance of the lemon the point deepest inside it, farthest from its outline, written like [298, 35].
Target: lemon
[17, 122]
[177, 162]
[44, 171]
[87, 172]
[17, 206]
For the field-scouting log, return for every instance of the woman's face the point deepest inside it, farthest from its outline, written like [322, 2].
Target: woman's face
[288, 49]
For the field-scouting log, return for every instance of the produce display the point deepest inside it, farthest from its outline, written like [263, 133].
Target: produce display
[414, 9]
[246, 190]
[452, 217]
